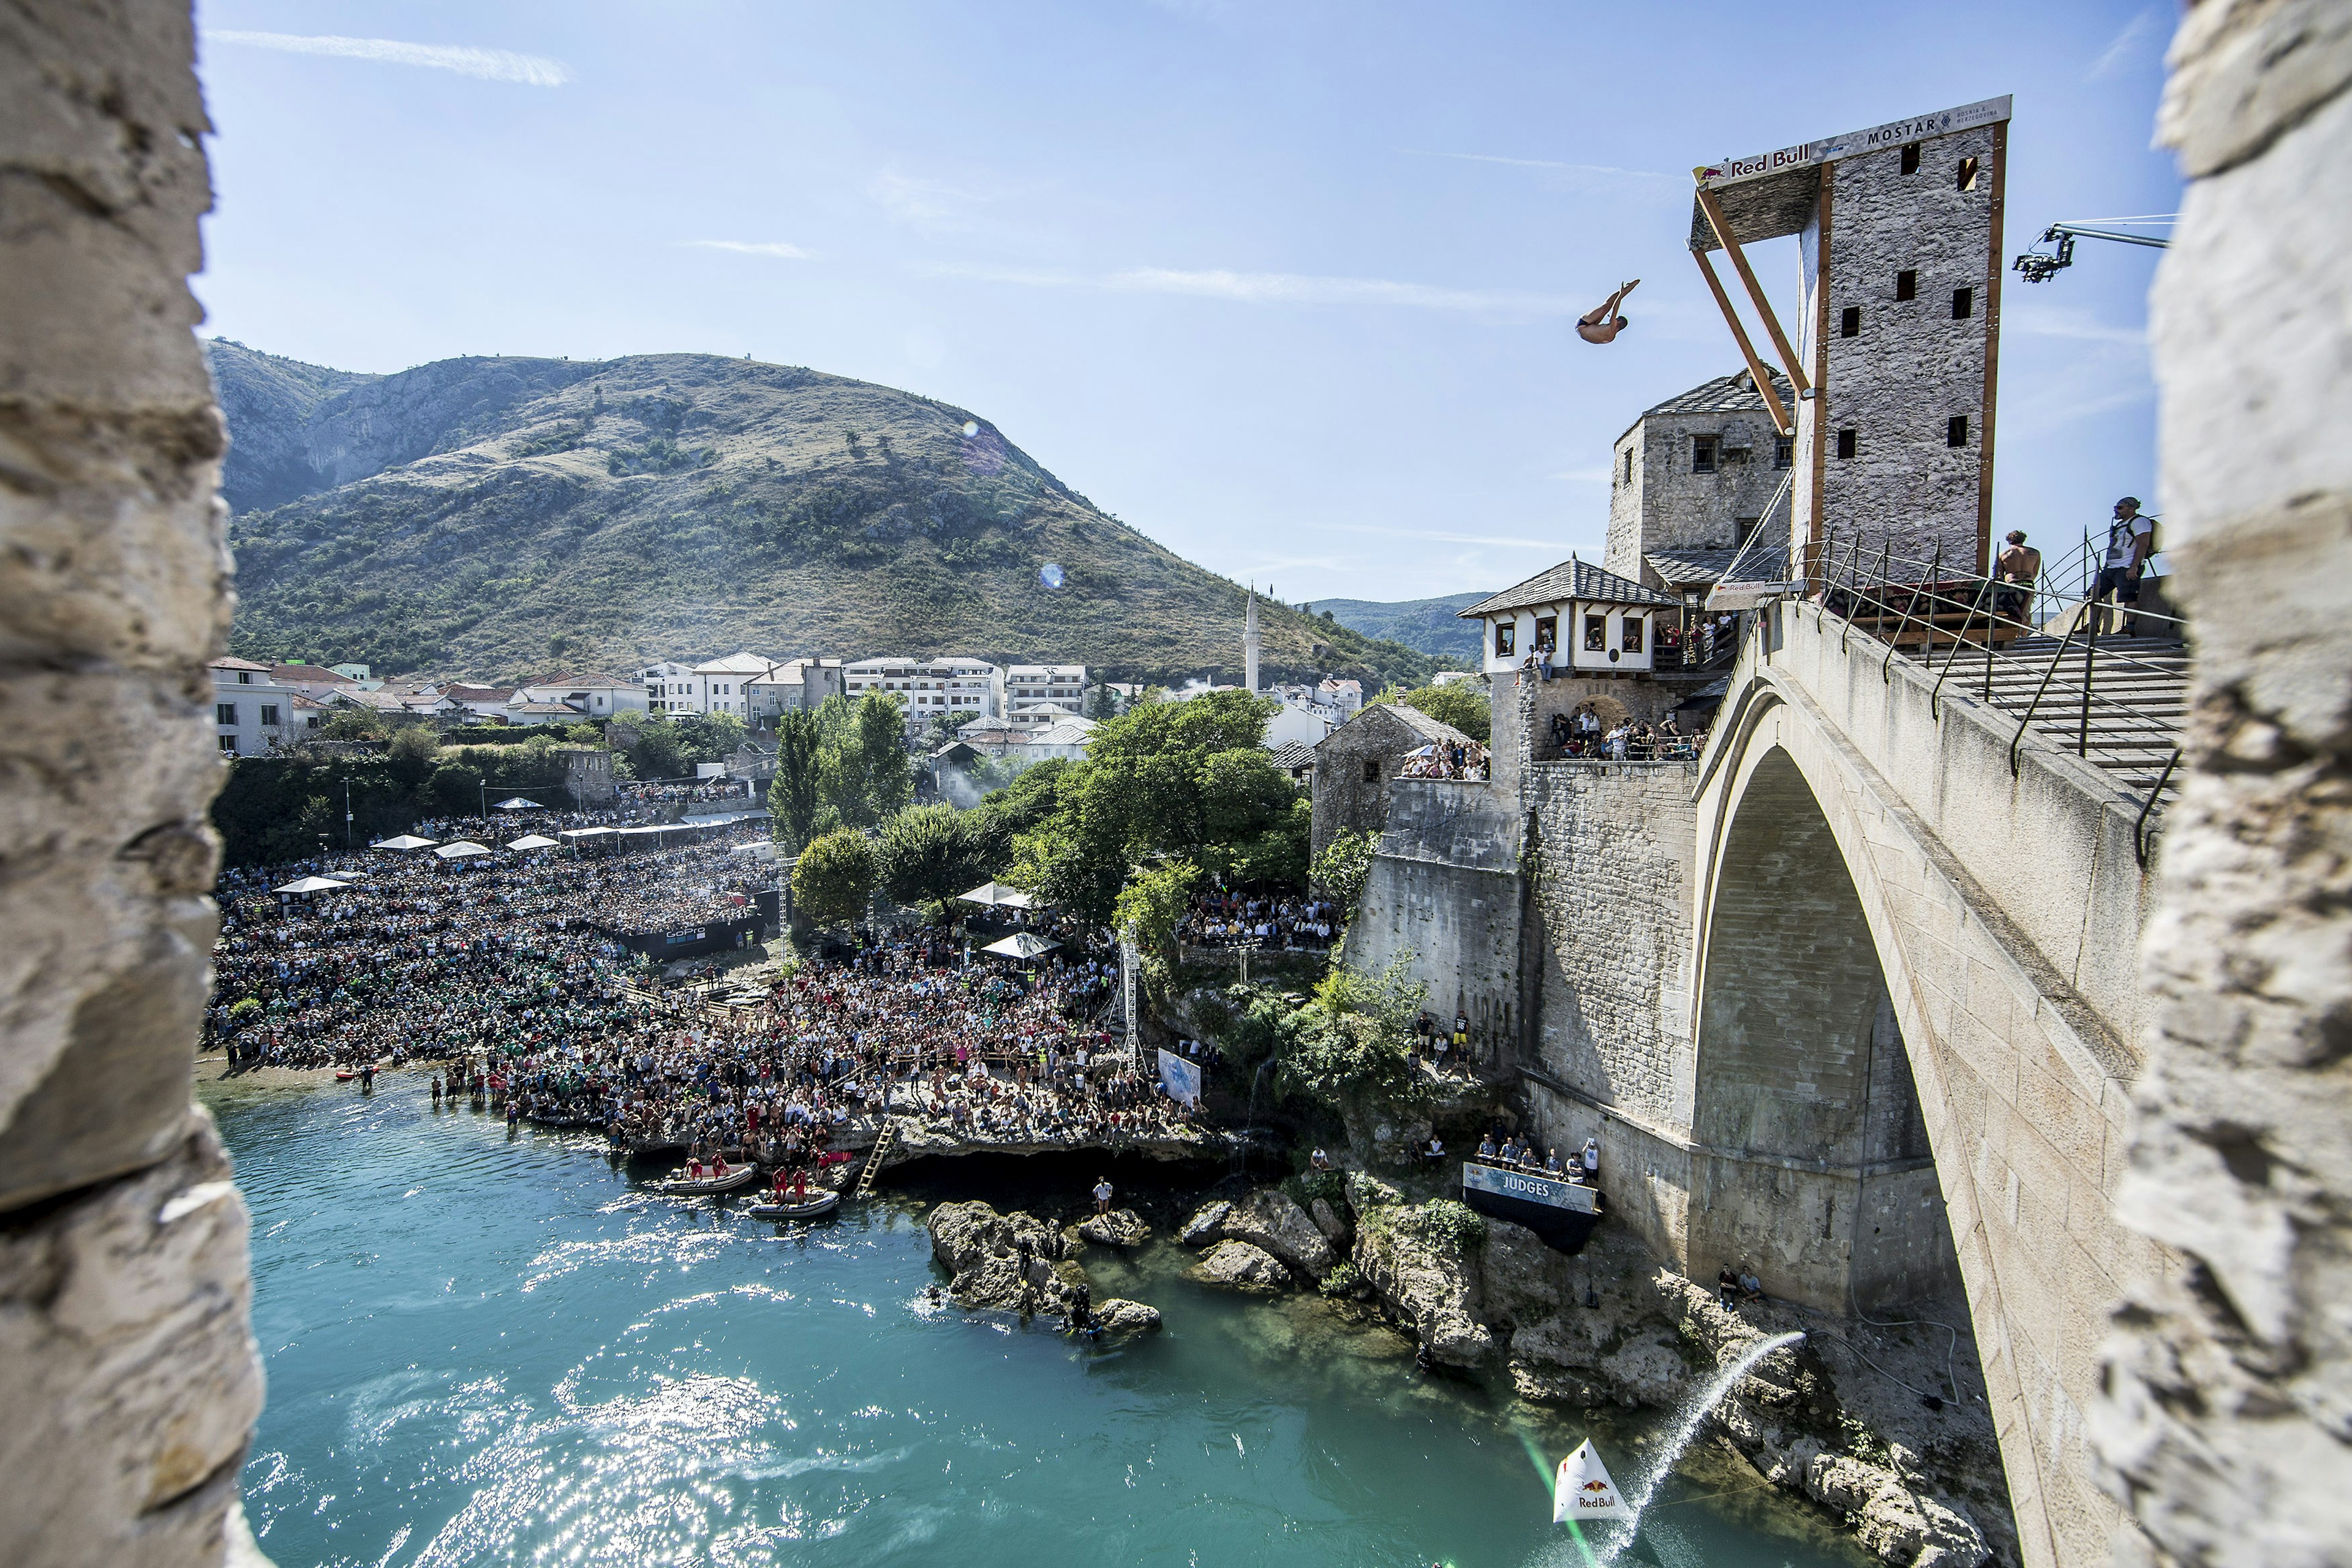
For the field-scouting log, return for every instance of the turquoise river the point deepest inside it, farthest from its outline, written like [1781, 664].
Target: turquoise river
[493, 1350]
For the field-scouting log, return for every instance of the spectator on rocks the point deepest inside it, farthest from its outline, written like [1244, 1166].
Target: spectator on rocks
[1727, 1288]
[1751, 1289]
[1102, 1195]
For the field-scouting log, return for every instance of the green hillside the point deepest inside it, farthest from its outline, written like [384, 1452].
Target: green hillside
[494, 518]
[1427, 626]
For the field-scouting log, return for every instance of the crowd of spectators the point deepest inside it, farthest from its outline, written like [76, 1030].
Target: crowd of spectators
[1465, 761]
[1584, 734]
[1286, 924]
[421, 957]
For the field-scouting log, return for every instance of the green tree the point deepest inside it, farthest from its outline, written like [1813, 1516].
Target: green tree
[927, 855]
[414, 744]
[834, 883]
[660, 749]
[1151, 908]
[1354, 1038]
[1343, 870]
[709, 737]
[793, 793]
[864, 772]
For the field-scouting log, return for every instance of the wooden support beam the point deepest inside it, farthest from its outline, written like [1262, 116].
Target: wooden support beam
[1722, 226]
[1780, 420]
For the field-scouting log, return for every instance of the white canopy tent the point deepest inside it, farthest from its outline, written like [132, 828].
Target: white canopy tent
[464, 849]
[406, 841]
[1021, 945]
[308, 885]
[532, 841]
[997, 896]
[516, 802]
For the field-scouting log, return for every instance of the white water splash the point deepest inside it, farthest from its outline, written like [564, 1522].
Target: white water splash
[1686, 1427]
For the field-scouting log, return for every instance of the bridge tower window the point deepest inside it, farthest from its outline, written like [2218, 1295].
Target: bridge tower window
[1701, 454]
[1849, 322]
[1847, 443]
[1911, 157]
[1907, 284]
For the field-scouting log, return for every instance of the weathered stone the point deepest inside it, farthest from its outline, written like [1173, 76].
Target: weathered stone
[1269, 1220]
[125, 1357]
[1120, 1316]
[1207, 1224]
[1327, 1220]
[1242, 1266]
[2222, 1401]
[1005, 1261]
[1121, 1227]
[1424, 1281]
[1901, 1526]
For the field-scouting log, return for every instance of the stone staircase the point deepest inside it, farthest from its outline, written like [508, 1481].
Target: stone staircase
[2139, 700]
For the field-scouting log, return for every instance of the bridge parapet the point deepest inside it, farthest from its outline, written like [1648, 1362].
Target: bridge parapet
[2051, 851]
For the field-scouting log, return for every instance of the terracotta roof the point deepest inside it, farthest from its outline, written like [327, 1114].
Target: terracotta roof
[479, 693]
[576, 678]
[238, 664]
[1571, 579]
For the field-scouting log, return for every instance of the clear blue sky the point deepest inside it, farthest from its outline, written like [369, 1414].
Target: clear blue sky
[1288, 286]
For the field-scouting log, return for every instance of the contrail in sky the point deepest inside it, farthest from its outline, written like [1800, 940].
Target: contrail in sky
[490, 65]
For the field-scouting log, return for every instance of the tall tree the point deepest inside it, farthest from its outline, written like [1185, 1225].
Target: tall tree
[834, 883]
[928, 854]
[792, 795]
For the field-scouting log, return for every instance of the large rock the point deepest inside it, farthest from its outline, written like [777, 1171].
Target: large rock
[126, 1367]
[1242, 1266]
[1901, 1524]
[1007, 1261]
[1120, 1316]
[1121, 1227]
[1269, 1220]
[1421, 1275]
[1327, 1220]
[1207, 1224]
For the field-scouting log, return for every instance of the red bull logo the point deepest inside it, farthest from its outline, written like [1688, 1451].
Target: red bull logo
[1596, 1485]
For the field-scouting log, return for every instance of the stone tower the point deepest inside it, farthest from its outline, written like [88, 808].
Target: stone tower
[1897, 327]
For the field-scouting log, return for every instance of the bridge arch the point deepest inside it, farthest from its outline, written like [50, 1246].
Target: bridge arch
[1814, 1163]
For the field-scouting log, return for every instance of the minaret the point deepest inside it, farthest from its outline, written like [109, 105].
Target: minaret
[1249, 645]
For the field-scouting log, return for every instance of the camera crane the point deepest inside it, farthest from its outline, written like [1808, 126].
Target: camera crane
[2041, 269]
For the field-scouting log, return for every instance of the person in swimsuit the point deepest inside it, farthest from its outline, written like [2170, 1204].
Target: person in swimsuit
[1602, 326]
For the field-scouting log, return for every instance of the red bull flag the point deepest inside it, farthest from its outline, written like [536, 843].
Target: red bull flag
[1584, 1490]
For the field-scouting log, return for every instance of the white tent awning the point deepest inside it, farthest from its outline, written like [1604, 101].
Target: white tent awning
[311, 885]
[532, 841]
[1021, 945]
[406, 841]
[464, 849]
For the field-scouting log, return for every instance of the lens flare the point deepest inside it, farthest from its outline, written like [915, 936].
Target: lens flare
[970, 429]
[1050, 575]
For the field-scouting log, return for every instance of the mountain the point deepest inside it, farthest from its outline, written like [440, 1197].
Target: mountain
[1427, 626]
[494, 517]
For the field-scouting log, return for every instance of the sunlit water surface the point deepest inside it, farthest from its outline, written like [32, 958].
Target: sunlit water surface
[484, 1349]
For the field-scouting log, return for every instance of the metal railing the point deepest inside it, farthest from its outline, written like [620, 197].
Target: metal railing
[1984, 616]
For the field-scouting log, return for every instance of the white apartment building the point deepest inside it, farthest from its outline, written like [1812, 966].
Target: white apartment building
[1042, 695]
[961, 687]
[593, 695]
[716, 686]
[251, 712]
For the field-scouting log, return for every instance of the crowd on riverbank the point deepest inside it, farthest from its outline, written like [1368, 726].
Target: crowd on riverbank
[422, 957]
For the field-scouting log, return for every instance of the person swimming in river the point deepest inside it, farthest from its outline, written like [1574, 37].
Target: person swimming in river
[1602, 326]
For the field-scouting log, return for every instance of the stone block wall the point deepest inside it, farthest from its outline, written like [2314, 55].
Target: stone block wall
[1444, 894]
[126, 1367]
[2225, 1412]
[1668, 504]
[1913, 366]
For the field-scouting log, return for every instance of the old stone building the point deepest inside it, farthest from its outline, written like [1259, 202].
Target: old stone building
[1353, 765]
[1697, 472]
[1896, 336]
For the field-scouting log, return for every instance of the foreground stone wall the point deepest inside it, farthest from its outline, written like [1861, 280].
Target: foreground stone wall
[1444, 895]
[126, 1367]
[2227, 1404]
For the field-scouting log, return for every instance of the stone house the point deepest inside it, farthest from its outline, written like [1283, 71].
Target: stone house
[1699, 472]
[1353, 765]
[251, 712]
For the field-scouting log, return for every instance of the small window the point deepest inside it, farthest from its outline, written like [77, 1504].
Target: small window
[1784, 451]
[1701, 454]
[1596, 632]
[1749, 527]
[1911, 158]
[1966, 178]
[1630, 639]
[1547, 632]
[1907, 284]
[1956, 430]
[270, 714]
[1506, 637]
[1964, 304]
[228, 745]
[224, 712]
[1629, 465]
[1372, 769]
[244, 678]
[1846, 443]
[1849, 322]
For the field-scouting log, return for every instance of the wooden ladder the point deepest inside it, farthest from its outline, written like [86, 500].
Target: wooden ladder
[874, 1158]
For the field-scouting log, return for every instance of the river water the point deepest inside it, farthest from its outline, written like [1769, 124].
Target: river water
[491, 1350]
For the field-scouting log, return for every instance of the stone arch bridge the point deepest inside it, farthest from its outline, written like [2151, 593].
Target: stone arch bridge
[1855, 999]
